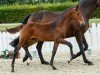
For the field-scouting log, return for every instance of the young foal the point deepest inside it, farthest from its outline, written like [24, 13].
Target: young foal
[53, 31]
[86, 7]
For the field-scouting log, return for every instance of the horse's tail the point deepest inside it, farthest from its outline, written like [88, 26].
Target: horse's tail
[14, 30]
[17, 29]
[26, 19]
[14, 43]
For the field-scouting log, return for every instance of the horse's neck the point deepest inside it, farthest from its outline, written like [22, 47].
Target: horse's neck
[87, 9]
[62, 20]
[63, 24]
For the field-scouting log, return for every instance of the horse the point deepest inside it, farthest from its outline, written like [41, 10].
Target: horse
[38, 16]
[53, 31]
[86, 7]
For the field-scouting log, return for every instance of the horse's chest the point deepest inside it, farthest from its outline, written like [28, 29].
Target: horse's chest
[69, 32]
[84, 29]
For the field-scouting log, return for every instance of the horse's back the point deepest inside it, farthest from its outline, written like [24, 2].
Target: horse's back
[43, 16]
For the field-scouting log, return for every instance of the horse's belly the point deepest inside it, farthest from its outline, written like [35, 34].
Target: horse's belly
[45, 36]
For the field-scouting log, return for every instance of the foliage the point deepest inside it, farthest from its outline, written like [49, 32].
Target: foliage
[16, 12]
[31, 1]
[96, 13]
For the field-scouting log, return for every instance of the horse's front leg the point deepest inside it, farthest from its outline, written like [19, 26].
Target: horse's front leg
[85, 43]
[80, 43]
[85, 48]
[16, 50]
[53, 54]
[39, 48]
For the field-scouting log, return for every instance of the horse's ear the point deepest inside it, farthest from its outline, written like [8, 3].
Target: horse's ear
[77, 7]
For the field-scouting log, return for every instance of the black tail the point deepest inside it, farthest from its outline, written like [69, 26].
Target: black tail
[16, 40]
[26, 19]
[14, 43]
[18, 28]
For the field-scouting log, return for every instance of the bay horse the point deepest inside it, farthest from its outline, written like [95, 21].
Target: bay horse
[86, 7]
[53, 31]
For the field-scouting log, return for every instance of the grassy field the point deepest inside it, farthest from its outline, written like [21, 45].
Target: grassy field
[94, 21]
[4, 26]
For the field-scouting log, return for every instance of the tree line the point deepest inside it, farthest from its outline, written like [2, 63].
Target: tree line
[32, 1]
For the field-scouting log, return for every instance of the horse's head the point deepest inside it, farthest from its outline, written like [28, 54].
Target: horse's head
[77, 16]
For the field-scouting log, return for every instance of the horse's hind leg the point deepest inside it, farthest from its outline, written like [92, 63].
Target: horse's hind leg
[53, 54]
[27, 54]
[39, 47]
[16, 50]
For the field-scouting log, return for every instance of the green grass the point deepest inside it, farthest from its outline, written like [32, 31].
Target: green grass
[15, 13]
[4, 26]
[94, 21]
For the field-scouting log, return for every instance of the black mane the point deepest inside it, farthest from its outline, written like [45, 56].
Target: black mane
[62, 14]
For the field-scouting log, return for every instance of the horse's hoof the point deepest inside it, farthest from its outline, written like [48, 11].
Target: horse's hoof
[90, 63]
[12, 71]
[25, 58]
[45, 63]
[68, 62]
[27, 63]
[30, 57]
[72, 57]
[54, 68]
